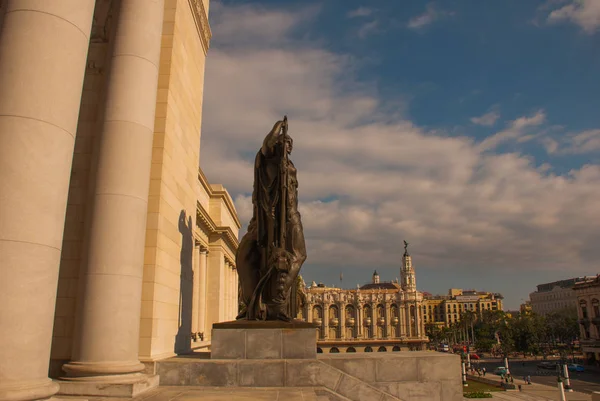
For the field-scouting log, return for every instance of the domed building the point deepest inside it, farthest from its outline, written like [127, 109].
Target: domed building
[375, 317]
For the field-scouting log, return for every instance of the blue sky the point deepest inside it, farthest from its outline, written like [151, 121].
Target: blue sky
[469, 128]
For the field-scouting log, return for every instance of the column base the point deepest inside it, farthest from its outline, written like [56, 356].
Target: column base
[27, 391]
[91, 388]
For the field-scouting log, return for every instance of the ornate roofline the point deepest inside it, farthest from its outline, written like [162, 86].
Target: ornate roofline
[219, 194]
[202, 25]
[209, 227]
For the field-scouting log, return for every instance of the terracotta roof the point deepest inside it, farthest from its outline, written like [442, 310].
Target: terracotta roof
[381, 286]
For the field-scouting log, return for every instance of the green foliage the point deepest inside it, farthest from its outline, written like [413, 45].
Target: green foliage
[497, 332]
[477, 394]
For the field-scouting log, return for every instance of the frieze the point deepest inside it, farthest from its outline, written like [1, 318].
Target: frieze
[201, 20]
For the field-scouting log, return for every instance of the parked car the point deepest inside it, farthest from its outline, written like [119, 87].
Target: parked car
[500, 370]
[547, 365]
[475, 356]
[573, 367]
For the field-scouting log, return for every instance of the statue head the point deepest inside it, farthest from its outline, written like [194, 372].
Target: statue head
[288, 144]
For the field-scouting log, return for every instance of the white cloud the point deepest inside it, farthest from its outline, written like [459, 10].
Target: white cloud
[453, 199]
[585, 13]
[575, 143]
[488, 119]
[431, 14]
[360, 12]
[368, 28]
[515, 130]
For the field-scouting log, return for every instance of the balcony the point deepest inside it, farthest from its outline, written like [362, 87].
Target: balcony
[350, 321]
[381, 321]
[334, 322]
[367, 321]
[395, 320]
[318, 321]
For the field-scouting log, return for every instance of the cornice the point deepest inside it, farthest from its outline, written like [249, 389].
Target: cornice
[201, 20]
[208, 226]
[219, 194]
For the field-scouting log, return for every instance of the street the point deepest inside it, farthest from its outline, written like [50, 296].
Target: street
[585, 382]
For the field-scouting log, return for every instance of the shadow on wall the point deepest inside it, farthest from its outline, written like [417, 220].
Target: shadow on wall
[184, 334]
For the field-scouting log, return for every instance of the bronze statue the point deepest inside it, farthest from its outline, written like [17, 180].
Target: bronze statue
[272, 251]
[405, 248]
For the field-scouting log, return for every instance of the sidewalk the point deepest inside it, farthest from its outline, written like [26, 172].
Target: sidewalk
[537, 392]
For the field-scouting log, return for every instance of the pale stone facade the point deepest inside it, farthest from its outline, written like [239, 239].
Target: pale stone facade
[380, 316]
[588, 312]
[554, 297]
[114, 248]
[444, 310]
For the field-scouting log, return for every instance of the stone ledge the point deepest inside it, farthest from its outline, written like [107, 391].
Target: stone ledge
[264, 324]
[103, 389]
[258, 342]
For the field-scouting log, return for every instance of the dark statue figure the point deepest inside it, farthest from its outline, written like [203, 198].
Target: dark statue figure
[271, 253]
[405, 248]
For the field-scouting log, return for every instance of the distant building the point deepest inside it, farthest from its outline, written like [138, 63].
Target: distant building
[555, 296]
[525, 308]
[587, 295]
[378, 316]
[443, 310]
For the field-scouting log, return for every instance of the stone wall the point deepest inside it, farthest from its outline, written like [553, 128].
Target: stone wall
[173, 182]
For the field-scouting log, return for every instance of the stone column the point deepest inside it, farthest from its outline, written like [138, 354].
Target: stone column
[108, 318]
[231, 291]
[342, 320]
[408, 321]
[43, 51]
[359, 321]
[418, 314]
[202, 290]
[227, 290]
[388, 320]
[401, 319]
[236, 288]
[196, 288]
[325, 320]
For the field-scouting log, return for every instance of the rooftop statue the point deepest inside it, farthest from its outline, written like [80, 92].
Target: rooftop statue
[272, 252]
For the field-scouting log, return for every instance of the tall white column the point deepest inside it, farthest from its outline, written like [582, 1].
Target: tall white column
[196, 288]
[43, 51]
[234, 291]
[227, 290]
[202, 291]
[108, 319]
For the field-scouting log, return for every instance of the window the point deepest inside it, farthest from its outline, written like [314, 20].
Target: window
[583, 307]
[596, 308]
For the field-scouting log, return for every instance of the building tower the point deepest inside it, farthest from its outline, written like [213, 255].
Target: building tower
[407, 273]
[375, 277]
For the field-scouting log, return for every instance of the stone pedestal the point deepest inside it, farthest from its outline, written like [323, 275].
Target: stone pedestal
[243, 339]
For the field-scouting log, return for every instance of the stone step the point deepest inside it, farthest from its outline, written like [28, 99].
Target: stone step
[277, 373]
[324, 394]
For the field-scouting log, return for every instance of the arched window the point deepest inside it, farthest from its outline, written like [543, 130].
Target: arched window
[319, 350]
[334, 350]
[583, 307]
[382, 349]
[396, 348]
[351, 349]
[368, 349]
[595, 307]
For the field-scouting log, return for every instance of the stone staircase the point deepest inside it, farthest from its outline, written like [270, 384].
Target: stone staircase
[329, 382]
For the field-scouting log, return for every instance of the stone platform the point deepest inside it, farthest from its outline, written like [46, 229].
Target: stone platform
[279, 355]
[243, 339]
[406, 376]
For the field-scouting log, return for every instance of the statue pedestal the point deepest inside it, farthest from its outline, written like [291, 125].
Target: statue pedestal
[251, 339]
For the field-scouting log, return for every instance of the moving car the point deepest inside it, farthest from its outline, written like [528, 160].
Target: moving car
[573, 367]
[475, 356]
[500, 370]
[546, 365]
